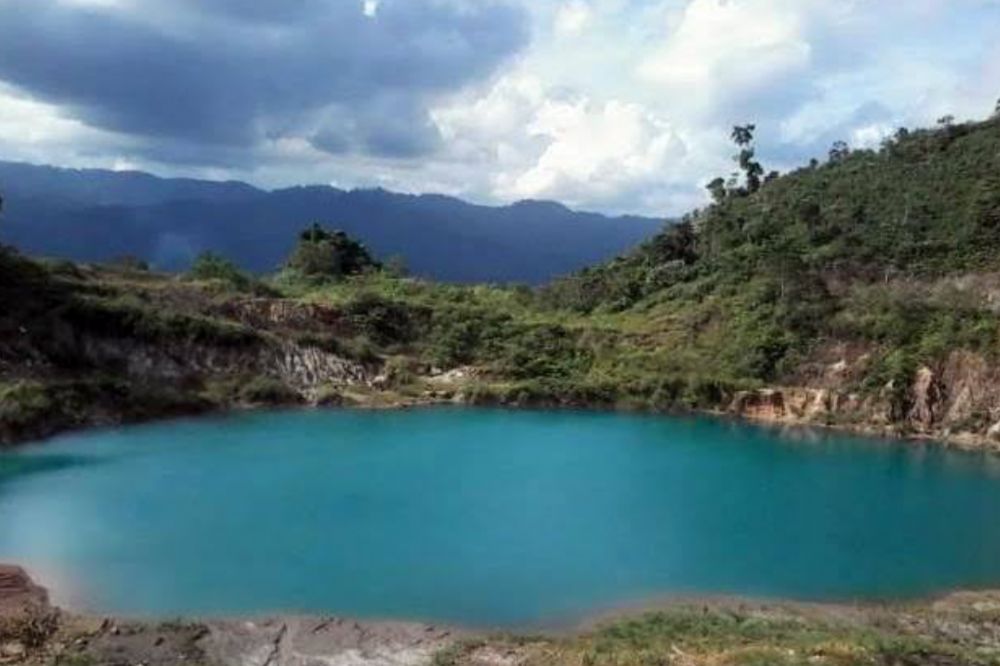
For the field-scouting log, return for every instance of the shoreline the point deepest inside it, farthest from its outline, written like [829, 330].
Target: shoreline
[961, 442]
[954, 620]
[38, 591]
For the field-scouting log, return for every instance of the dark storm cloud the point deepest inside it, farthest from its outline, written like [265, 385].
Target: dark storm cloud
[219, 75]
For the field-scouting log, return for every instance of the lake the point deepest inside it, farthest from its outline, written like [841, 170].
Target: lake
[487, 517]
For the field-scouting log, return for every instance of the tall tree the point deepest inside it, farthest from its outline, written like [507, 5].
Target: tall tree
[752, 170]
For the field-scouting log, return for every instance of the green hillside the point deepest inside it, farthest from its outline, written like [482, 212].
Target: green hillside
[893, 250]
[865, 289]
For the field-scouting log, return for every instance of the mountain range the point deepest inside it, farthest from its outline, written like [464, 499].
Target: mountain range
[100, 215]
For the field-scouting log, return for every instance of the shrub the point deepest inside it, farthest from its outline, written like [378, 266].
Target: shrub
[212, 266]
[268, 390]
[386, 322]
[329, 254]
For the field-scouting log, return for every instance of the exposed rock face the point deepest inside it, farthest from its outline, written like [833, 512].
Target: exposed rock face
[927, 400]
[300, 641]
[306, 368]
[272, 313]
[789, 405]
[764, 405]
[300, 367]
[18, 593]
[959, 403]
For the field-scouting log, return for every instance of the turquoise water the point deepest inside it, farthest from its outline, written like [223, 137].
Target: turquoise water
[487, 517]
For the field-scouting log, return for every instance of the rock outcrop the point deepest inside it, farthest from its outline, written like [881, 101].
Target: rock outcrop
[18, 592]
[926, 401]
[283, 314]
[301, 367]
[957, 403]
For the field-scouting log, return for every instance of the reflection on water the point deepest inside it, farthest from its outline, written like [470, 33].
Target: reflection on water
[15, 466]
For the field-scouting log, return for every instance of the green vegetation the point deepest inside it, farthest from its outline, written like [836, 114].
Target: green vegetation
[890, 254]
[328, 255]
[741, 636]
[871, 247]
[214, 269]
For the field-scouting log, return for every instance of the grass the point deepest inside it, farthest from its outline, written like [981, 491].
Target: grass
[719, 636]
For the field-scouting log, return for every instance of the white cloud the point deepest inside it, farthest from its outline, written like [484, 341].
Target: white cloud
[538, 142]
[618, 105]
[716, 54]
[33, 131]
[870, 136]
[593, 150]
[572, 17]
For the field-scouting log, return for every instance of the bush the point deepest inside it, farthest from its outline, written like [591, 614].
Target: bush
[386, 322]
[269, 391]
[23, 403]
[329, 254]
[212, 266]
[130, 318]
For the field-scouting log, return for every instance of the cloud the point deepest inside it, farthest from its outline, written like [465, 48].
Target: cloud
[216, 75]
[618, 105]
[549, 143]
[726, 51]
[572, 17]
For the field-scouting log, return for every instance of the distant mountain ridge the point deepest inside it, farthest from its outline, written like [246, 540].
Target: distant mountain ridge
[95, 215]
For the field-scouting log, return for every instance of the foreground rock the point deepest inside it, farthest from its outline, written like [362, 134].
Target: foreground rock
[328, 641]
[19, 595]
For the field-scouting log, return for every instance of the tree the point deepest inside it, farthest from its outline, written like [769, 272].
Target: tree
[718, 189]
[839, 152]
[329, 254]
[996, 110]
[946, 121]
[753, 172]
[676, 243]
[743, 134]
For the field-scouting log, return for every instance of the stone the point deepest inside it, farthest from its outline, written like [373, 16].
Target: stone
[926, 392]
[18, 593]
[12, 650]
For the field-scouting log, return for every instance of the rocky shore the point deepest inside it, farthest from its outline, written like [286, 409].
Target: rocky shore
[34, 632]
[962, 628]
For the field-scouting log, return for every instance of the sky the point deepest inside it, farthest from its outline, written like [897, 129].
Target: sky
[619, 106]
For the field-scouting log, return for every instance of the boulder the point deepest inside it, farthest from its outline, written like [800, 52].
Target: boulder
[18, 593]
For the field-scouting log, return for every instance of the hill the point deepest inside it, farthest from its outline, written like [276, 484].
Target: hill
[859, 293]
[867, 283]
[94, 215]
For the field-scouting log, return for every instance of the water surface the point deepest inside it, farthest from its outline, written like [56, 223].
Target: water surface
[487, 517]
